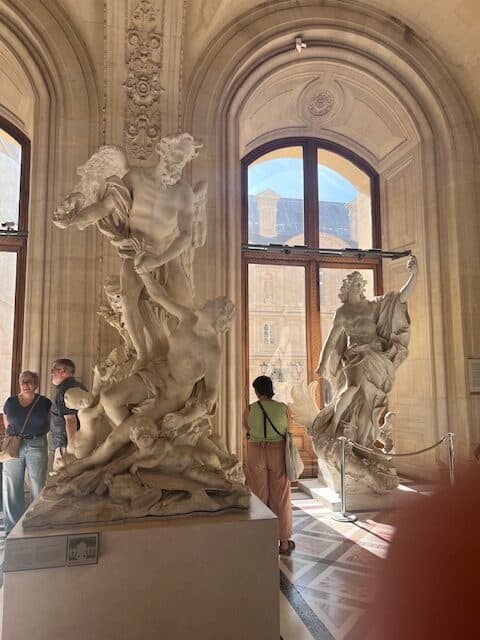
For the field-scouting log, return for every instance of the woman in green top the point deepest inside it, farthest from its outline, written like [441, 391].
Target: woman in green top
[266, 425]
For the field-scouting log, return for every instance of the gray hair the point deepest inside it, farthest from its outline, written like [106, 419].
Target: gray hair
[33, 375]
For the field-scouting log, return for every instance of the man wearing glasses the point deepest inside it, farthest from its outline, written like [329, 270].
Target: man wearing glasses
[64, 422]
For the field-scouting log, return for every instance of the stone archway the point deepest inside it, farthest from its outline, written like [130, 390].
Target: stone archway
[425, 157]
[55, 103]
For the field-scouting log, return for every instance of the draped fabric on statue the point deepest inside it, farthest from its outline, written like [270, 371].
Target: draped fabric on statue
[377, 362]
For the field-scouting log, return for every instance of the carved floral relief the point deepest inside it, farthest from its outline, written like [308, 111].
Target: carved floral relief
[320, 101]
[142, 85]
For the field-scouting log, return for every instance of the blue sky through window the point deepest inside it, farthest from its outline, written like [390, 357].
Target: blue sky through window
[285, 177]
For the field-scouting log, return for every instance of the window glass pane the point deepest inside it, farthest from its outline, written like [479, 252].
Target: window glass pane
[275, 198]
[8, 268]
[277, 340]
[345, 210]
[330, 282]
[10, 163]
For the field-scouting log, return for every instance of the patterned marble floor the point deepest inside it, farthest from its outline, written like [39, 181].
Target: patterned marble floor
[326, 583]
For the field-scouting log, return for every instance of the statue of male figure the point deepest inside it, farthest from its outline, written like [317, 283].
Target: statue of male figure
[367, 342]
[156, 207]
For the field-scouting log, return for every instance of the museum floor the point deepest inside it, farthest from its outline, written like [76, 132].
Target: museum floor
[325, 584]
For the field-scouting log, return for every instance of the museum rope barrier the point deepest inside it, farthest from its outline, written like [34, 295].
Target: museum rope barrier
[343, 515]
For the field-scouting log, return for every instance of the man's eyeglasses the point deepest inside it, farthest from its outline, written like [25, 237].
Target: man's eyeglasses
[56, 369]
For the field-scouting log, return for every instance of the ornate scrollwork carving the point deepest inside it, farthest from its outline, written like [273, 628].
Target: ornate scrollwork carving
[142, 86]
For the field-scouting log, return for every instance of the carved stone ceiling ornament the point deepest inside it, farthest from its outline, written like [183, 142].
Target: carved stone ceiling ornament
[321, 103]
[142, 86]
[320, 100]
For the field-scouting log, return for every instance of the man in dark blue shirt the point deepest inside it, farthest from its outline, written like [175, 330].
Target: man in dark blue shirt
[64, 423]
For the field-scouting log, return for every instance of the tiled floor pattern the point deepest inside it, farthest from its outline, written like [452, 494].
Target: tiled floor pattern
[326, 583]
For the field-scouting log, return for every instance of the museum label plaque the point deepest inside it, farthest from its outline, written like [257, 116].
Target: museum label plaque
[46, 552]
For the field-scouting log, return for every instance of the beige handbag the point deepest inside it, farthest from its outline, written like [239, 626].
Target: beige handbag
[10, 449]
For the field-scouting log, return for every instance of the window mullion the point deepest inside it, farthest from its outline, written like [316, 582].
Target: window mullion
[310, 184]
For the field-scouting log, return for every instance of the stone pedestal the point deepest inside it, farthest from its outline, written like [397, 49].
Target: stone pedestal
[403, 496]
[204, 577]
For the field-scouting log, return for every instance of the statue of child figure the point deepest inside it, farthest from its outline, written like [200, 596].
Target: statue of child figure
[94, 428]
[154, 452]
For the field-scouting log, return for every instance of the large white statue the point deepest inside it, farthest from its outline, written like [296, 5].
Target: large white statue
[176, 390]
[153, 216]
[366, 344]
[146, 444]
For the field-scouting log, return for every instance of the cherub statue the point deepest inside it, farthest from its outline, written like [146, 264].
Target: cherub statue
[94, 428]
[152, 215]
[154, 452]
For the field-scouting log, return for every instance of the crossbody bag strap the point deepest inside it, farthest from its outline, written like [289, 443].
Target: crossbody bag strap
[267, 417]
[28, 415]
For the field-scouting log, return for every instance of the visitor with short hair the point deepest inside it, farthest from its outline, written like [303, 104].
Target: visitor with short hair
[267, 423]
[26, 415]
[64, 420]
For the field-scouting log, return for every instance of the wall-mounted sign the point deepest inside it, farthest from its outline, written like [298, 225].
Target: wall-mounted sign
[474, 374]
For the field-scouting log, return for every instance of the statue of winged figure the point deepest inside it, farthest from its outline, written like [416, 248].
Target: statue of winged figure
[153, 217]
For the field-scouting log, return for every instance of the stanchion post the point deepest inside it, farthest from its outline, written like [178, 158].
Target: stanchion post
[343, 516]
[451, 457]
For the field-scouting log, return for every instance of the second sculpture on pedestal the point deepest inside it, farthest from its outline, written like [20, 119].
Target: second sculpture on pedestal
[365, 346]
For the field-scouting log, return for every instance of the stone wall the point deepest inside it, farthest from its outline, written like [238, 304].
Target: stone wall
[402, 92]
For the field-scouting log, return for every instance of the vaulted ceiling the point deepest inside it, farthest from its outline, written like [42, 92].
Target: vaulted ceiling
[449, 27]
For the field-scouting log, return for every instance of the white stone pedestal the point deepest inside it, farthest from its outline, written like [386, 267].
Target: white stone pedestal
[205, 578]
[403, 496]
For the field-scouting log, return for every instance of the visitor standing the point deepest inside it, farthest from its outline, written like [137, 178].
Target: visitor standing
[266, 425]
[26, 415]
[64, 420]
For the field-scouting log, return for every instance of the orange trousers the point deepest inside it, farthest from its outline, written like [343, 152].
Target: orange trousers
[267, 479]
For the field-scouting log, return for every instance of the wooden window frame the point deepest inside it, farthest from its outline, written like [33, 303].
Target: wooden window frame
[311, 235]
[16, 242]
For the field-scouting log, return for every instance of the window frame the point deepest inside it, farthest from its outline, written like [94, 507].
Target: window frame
[310, 195]
[16, 242]
[311, 263]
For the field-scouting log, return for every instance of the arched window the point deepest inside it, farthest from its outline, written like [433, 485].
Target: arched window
[14, 182]
[320, 200]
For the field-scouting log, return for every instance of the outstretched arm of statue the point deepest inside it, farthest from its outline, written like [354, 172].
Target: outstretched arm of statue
[332, 338]
[158, 294]
[146, 262]
[82, 218]
[408, 287]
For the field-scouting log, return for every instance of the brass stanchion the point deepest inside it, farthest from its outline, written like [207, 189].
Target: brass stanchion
[343, 516]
